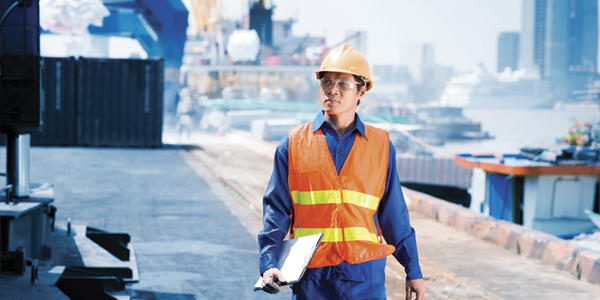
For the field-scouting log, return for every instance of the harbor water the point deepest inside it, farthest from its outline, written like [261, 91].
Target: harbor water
[515, 129]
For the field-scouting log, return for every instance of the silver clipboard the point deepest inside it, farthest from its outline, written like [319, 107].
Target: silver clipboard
[294, 257]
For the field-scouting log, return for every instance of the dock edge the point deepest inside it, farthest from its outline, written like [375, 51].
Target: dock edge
[564, 255]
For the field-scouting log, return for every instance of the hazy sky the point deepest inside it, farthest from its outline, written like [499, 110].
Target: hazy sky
[464, 32]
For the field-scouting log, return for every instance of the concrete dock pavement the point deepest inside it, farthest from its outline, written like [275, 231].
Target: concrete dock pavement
[188, 244]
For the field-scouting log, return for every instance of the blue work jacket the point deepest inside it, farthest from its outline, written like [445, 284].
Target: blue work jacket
[392, 212]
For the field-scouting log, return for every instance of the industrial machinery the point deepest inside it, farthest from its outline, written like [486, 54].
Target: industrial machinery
[26, 214]
[25, 211]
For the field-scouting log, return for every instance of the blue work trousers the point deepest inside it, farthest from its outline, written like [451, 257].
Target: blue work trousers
[337, 289]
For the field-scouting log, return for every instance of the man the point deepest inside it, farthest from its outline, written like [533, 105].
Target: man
[185, 111]
[337, 176]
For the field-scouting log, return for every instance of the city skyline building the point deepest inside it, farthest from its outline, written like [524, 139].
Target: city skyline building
[428, 57]
[428, 77]
[559, 43]
[508, 51]
[411, 55]
[532, 36]
[357, 39]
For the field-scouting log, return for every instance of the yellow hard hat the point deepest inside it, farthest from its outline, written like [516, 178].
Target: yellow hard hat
[346, 59]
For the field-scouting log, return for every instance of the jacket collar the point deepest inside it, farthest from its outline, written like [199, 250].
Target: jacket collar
[319, 121]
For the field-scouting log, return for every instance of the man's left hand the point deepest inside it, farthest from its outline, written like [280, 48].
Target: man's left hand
[416, 286]
[272, 280]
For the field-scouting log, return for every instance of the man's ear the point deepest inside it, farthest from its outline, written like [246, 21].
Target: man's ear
[363, 91]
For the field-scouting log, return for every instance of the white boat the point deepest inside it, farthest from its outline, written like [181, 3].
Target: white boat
[507, 90]
[594, 217]
[585, 105]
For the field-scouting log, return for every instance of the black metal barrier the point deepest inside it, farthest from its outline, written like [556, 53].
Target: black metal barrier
[81, 283]
[115, 243]
[102, 103]
[100, 282]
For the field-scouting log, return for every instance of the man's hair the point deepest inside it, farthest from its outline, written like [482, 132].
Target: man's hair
[361, 82]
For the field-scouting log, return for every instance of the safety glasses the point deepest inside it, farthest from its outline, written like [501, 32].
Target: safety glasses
[343, 84]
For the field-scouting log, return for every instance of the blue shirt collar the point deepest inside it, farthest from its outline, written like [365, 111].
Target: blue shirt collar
[319, 121]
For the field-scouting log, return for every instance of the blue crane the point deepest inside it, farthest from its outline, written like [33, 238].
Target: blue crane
[160, 28]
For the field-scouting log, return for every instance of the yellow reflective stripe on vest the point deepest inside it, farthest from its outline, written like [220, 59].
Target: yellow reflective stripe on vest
[329, 234]
[333, 197]
[360, 199]
[316, 197]
[335, 234]
[359, 234]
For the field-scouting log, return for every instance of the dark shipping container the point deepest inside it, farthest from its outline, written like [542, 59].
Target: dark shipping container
[101, 103]
[60, 75]
[119, 102]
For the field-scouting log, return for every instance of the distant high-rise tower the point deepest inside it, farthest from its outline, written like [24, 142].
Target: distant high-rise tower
[508, 51]
[559, 41]
[411, 55]
[428, 54]
[533, 36]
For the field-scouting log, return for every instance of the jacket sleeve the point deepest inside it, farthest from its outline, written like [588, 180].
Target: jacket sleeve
[395, 222]
[277, 208]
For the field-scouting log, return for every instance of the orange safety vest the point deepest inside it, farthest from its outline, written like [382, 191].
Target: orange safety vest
[341, 206]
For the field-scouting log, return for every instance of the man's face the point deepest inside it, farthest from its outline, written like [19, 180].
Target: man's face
[336, 100]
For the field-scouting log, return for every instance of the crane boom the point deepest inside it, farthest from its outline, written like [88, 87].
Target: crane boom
[326, 48]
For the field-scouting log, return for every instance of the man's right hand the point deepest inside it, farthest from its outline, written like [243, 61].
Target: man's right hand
[271, 280]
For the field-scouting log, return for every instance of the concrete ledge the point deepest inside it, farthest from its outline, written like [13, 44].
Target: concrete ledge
[564, 255]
